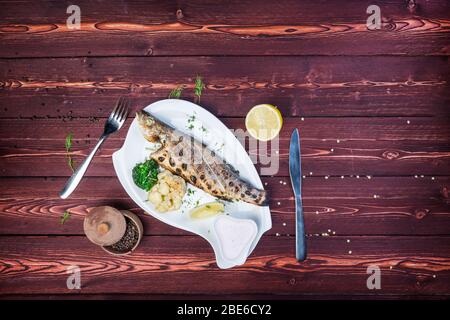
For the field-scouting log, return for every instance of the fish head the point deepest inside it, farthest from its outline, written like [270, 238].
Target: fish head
[153, 130]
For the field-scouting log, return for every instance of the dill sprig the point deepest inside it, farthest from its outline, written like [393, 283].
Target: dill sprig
[71, 163]
[68, 145]
[69, 142]
[199, 86]
[176, 93]
[64, 217]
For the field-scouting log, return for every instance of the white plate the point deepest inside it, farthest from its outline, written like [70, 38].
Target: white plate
[211, 131]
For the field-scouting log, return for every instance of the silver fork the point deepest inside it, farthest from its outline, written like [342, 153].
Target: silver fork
[113, 124]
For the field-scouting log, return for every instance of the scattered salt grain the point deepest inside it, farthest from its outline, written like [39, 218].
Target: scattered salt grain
[408, 122]
[338, 141]
[326, 177]
[278, 203]
[348, 240]
[350, 252]
[303, 119]
[284, 224]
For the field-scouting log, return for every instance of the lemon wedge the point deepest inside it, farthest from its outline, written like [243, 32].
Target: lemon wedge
[207, 210]
[264, 122]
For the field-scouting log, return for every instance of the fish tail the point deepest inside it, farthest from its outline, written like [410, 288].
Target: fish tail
[265, 198]
[257, 197]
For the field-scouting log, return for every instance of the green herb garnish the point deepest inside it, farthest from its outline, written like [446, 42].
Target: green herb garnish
[145, 175]
[176, 93]
[191, 121]
[71, 163]
[68, 145]
[69, 142]
[199, 86]
[191, 118]
[64, 217]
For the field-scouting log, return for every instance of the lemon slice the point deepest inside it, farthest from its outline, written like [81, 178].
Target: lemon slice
[264, 122]
[207, 210]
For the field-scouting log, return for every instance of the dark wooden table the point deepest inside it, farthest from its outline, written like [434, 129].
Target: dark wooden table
[372, 108]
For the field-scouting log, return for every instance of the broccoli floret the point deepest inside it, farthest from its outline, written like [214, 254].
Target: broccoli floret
[145, 175]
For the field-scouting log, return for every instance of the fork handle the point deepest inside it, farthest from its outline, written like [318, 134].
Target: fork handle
[76, 177]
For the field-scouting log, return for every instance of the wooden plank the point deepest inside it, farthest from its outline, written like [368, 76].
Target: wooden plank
[162, 265]
[260, 296]
[334, 206]
[299, 86]
[330, 146]
[204, 28]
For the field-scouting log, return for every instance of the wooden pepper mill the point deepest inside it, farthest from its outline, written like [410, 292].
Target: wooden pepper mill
[106, 226]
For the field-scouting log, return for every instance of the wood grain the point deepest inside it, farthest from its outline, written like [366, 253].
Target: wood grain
[371, 106]
[179, 265]
[259, 296]
[185, 28]
[334, 206]
[330, 146]
[299, 86]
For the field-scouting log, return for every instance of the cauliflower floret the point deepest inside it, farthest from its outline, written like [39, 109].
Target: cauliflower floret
[154, 197]
[164, 188]
[168, 192]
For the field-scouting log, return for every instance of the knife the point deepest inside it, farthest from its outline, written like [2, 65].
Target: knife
[295, 171]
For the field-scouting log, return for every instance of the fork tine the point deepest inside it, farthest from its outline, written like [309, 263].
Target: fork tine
[119, 109]
[124, 111]
[114, 112]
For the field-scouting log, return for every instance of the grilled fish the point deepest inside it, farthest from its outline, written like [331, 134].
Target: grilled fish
[197, 164]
